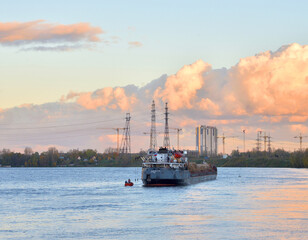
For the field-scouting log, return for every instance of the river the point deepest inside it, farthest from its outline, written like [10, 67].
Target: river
[92, 203]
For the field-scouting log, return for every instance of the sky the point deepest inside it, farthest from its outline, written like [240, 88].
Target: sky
[233, 64]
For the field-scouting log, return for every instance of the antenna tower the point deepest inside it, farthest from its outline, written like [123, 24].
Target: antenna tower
[125, 144]
[153, 142]
[166, 133]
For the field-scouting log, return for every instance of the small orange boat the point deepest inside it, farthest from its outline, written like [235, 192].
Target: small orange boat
[128, 183]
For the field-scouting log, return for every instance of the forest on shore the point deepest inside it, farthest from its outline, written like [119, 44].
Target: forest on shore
[110, 158]
[277, 158]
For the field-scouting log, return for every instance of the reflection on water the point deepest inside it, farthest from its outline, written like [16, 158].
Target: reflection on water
[92, 203]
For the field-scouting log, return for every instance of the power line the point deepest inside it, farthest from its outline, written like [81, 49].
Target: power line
[59, 126]
[40, 138]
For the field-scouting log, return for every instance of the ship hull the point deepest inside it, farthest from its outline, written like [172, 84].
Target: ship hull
[157, 177]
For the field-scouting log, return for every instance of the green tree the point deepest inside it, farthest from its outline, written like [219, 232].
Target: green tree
[52, 156]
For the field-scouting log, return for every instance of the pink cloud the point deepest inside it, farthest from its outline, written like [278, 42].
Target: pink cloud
[299, 128]
[40, 31]
[224, 121]
[135, 44]
[107, 97]
[188, 122]
[210, 106]
[181, 89]
[272, 83]
[26, 105]
[123, 101]
[298, 118]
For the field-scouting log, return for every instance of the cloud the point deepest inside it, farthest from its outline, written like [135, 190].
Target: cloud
[112, 98]
[135, 44]
[224, 122]
[299, 128]
[60, 48]
[180, 89]
[188, 122]
[267, 84]
[26, 105]
[271, 83]
[41, 32]
[298, 118]
[267, 91]
[274, 119]
[210, 106]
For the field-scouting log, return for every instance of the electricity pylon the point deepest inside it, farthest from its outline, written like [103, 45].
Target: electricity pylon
[166, 133]
[259, 141]
[300, 140]
[153, 141]
[125, 144]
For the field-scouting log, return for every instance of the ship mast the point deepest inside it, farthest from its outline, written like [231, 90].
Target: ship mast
[166, 134]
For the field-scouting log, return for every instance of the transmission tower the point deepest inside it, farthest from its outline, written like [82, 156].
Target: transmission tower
[153, 141]
[125, 144]
[166, 133]
[300, 140]
[259, 141]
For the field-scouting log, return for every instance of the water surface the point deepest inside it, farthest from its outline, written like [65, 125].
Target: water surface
[92, 203]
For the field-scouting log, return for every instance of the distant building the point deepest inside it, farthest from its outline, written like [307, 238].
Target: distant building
[206, 140]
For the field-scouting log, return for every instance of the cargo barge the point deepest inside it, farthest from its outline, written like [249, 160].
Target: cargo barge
[171, 168]
[167, 167]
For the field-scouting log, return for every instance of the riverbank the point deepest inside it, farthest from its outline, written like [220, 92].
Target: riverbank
[91, 158]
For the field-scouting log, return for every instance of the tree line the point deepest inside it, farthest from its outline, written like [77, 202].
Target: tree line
[276, 158]
[91, 158]
[73, 158]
